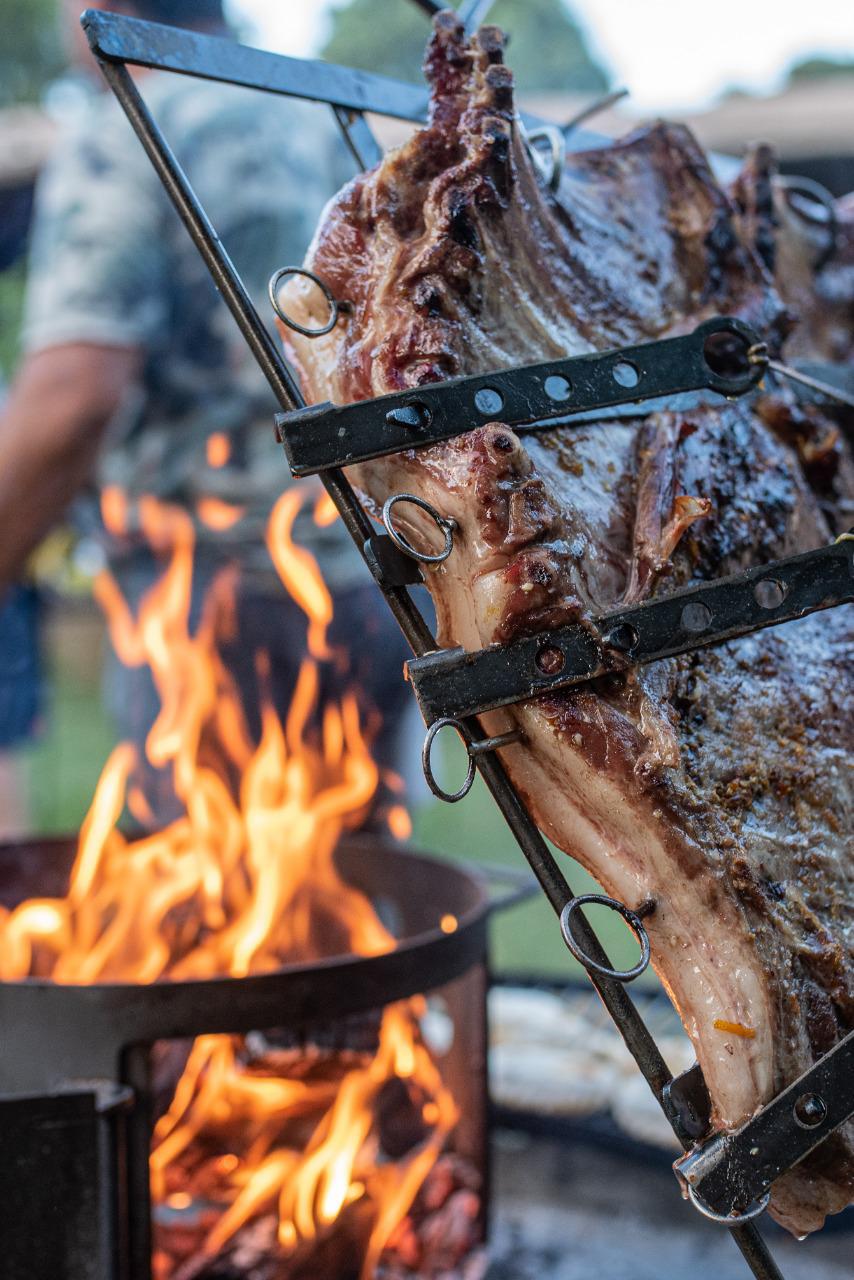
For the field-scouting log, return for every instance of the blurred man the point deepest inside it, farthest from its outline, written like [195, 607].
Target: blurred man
[25, 139]
[136, 378]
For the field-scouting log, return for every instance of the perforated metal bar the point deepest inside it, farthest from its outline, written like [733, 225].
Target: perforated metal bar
[526, 396]
[456, 682]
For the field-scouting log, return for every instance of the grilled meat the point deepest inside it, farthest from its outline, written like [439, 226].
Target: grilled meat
[711, 785]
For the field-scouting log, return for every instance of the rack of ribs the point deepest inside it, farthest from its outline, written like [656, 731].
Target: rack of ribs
[715, 786]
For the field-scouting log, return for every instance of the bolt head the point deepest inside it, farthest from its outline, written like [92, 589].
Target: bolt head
[810, 1110]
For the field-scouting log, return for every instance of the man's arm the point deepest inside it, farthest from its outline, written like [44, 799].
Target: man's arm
[50, 429]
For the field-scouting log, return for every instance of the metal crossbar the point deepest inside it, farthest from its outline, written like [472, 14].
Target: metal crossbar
[118, 42]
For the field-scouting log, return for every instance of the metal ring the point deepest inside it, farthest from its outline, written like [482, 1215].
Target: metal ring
[335, 306]
[794, 185]
[435, 727]
[550, 164]
[446, 525]
[473, 749]
[632, 920]
[728, 1219]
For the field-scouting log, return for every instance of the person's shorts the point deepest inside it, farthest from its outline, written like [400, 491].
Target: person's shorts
[21, 678]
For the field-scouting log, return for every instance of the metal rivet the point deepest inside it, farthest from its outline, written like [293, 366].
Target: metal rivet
[810, 1110]
[550, 660]
[726, 354]
[623, 637]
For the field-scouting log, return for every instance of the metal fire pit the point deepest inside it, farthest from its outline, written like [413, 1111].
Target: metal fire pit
[76, 1093]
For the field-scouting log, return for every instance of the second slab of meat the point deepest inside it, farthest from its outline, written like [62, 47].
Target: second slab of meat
[714, 786]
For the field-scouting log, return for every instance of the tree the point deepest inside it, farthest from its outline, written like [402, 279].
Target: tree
[30, 50]
[547, 50]
[819, 68]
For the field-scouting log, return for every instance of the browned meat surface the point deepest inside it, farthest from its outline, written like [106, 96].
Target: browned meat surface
[713, 785]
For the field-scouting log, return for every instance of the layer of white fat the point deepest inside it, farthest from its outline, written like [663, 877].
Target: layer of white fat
[706, 959]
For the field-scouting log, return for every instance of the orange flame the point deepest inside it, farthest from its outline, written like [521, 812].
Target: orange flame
[298, 571]
[114, 510]
[325, 511]
[243, 881]
[219, 515]
[218, 449]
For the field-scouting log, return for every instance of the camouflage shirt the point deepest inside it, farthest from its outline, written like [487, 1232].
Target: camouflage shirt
[111, 263]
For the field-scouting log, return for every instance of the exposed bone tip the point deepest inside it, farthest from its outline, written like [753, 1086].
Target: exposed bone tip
[499, 83]
[492, 40]
[448, 23]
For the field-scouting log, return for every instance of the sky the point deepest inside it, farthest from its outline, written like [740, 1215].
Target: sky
[670, 54]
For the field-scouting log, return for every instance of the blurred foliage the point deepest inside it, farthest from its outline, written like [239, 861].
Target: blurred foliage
[547, 50]
[30, 50]
[11, 306]
[819, 68]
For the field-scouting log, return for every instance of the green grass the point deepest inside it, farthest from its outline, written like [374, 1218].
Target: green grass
[64, 763]
[11, 307]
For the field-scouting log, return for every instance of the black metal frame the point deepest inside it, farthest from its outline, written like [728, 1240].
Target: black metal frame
[456, 682]
[527, 396]
[117, 42]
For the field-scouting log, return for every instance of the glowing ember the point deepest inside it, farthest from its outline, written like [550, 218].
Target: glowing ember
[242, 882]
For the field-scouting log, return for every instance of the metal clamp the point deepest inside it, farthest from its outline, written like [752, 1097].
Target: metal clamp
[711, 359]
[473, 750]
[456, 682]
[736, 1168]
[336, 308]
[447, 526]
[632, 920]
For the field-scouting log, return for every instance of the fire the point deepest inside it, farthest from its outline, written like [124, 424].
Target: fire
[218, 449]
[241, 882]
[218, 515]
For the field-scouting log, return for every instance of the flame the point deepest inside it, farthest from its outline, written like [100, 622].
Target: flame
[325, 511]
[298, 571]
[218, 449]
[241, 882]
[114, 510]
[218, 515]
[399, 822]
